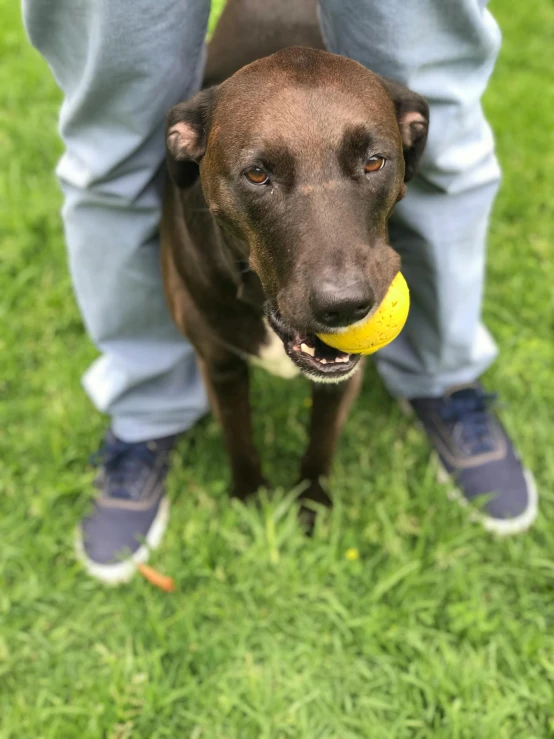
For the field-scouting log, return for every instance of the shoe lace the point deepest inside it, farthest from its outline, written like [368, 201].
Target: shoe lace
[468, 413]
[123, 465]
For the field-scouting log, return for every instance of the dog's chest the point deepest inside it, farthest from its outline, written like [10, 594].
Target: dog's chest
[273, 358]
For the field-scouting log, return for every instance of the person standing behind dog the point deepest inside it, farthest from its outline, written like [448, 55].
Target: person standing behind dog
[121, 68]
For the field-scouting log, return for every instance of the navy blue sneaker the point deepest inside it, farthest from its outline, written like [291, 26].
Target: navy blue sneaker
[130, 516]
[476, 454]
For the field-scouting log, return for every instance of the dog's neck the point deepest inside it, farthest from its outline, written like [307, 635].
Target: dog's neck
[249, 289]
[224, 257]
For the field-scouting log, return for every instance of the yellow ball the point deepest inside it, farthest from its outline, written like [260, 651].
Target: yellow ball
[380, 327]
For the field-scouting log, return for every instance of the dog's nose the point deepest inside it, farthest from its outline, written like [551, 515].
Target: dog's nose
[334, 306]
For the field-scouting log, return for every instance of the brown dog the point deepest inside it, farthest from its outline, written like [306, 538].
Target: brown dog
[282, 179]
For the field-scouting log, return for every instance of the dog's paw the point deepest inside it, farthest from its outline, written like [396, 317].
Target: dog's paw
[313, 495]
[248, 487]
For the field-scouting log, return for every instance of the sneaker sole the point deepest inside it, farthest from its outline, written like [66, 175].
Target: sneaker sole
[498, 526]
[122, 572]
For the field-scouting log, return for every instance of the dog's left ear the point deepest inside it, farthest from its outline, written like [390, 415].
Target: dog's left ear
[412, 113]
[186, 136]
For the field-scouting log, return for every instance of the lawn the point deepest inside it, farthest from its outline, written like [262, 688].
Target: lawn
[397, 619]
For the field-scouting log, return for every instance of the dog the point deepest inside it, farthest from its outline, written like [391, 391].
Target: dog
[282, 174]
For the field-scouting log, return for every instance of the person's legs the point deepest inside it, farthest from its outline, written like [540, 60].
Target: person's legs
[445, 51]
[121, 68]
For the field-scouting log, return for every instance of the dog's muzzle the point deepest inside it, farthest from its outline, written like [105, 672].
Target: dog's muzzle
[317, 360]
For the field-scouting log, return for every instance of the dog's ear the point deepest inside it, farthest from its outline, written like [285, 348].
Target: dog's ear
[186, 136]
[412, 113]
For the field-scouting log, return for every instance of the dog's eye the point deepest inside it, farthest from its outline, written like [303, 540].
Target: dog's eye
[256, 176]
[374, 164]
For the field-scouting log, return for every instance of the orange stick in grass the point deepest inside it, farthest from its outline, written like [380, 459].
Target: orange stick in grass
[163, 582]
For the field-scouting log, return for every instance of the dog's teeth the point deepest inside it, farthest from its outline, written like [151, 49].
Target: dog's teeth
[307, 350]
[323, 361]
[344, 358]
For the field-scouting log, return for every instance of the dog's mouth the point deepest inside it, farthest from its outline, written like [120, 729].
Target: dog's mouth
[313, 357]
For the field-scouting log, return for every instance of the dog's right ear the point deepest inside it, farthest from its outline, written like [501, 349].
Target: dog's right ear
[186, 136]
[412, 113]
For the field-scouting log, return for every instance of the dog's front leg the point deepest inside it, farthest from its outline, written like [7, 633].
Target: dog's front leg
[228, 388]
[331, 404]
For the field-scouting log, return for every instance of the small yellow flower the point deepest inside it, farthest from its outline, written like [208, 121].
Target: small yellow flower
[352, 554]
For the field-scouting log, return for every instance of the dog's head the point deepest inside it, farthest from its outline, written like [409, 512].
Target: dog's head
[303, 155]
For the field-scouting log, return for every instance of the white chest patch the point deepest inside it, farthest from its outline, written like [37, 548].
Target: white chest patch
[273, 358]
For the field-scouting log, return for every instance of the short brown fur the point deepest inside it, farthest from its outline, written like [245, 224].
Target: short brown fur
[231, 249]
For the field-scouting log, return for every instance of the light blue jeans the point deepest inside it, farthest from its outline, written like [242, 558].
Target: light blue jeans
[121, 67]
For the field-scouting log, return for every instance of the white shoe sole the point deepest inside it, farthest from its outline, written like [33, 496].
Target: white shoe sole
[498, 526]
[121, 572]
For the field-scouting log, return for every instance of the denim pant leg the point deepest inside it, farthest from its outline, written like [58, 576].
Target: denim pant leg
[121, 66]
[445, 51]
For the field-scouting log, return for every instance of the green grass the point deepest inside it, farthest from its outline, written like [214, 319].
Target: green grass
[436, 630]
